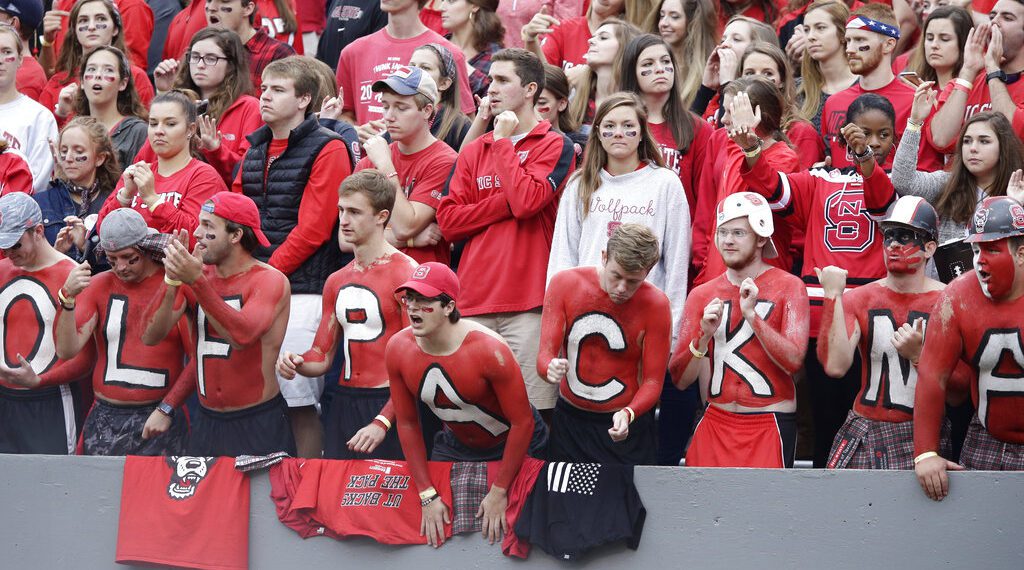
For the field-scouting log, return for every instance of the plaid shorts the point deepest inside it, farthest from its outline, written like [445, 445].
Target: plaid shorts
[982, 452]
[469, 487]
[863, 443]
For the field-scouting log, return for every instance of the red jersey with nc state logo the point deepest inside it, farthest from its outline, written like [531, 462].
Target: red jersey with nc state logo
[742, 372]
[986, 334]
[127, 370]
[477, 392]
[28, 305]
[186, 512]
[617, 353]
[361, 313]
[837, 211]
[888, 380]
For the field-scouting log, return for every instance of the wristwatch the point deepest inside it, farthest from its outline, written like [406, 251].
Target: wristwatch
[997, 74]
[165, 409]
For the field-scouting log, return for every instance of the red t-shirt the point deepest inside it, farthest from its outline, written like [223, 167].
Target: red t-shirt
[181, 195]
[810, 147]
[742, 371]
[137, 21]
[423, 175]
[518, 492]
[617, 353]
[374, 57]
[833, 117]
[312, 16]
[230, 377]
[837, 213]
[127, 370]
[887, 379]
[31, 78]
[318, 208]
[360, 311]
[190, 512]
[372, 497]
[477, 392]
[51, 91]
[503, 199]
[567, 44]
[687, 166]
[28, 304]
[272, 23]
[986, 334]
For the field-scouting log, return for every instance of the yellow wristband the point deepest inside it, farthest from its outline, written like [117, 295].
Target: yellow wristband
[632, 414]
[696, 353]
[172, 282]
[409, 243]
[43, 42]
[925, 455]
[383, 420]
[427, 493]
[67, 303]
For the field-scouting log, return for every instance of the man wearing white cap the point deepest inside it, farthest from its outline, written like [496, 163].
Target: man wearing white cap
[417, 163]
[37, 404]
[745, 335]
[133, 414]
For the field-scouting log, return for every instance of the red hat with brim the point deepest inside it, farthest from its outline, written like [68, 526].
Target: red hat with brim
[432, 279]
[237, 208]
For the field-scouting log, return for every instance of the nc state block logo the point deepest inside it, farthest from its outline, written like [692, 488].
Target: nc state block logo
[1017, 216]
[188, 473]
[421, 272]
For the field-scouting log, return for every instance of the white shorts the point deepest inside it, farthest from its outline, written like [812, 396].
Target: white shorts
[303, 321]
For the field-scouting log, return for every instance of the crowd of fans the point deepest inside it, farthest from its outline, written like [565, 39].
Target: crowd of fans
[521, 140]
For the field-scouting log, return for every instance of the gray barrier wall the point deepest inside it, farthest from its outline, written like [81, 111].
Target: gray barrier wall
[61, 512]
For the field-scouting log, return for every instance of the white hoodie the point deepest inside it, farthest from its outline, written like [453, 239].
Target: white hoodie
[28, 128]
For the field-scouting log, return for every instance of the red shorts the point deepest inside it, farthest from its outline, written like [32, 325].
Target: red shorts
[728, 439]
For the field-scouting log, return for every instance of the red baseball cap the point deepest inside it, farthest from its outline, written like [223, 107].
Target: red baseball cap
[432, 279]
[237, 208]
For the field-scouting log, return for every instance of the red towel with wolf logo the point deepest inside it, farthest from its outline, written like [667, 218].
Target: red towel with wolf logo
[190, 512]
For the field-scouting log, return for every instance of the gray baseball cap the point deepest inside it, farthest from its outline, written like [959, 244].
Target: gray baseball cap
[123, 228]
[18, 212]
[409, 81]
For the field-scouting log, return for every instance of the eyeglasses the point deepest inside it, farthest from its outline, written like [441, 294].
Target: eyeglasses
[97, 24]
[902, 236]
[209, 59]
[724, 233]
[609, 132]
[413, 302]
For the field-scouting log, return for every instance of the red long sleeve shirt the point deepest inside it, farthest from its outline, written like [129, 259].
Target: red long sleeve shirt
[503, 199]
[617, 353]
[237, 122]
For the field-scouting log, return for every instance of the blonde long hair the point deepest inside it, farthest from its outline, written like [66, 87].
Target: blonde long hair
[700, 40]
[811, 89]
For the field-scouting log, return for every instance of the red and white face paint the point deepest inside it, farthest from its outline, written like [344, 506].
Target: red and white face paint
[904, 250]
[994, 266]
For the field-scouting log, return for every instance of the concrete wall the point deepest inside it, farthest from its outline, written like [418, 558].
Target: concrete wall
[60, 512]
